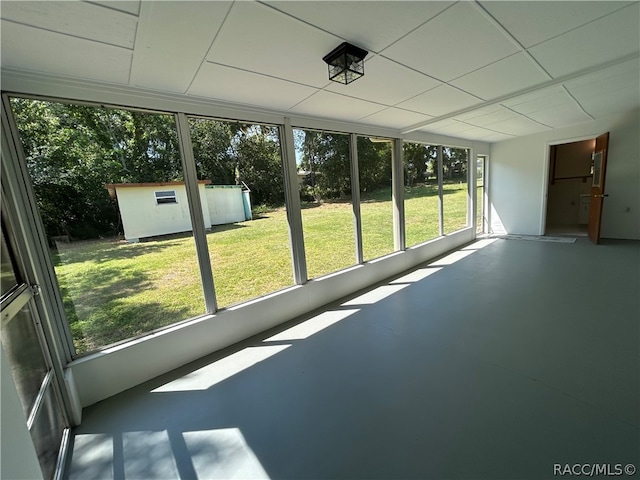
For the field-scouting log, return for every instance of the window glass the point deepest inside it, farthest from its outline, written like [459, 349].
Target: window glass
[8, 278]
[240, 170]
[420, 193]
[125, 267]
[480, 186]
[324, 179]
[46, 432]
[376, 207]
[454, 188]
[168, 196]
[24, 354]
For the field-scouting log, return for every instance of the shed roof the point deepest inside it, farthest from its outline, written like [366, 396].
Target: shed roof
[112, 187]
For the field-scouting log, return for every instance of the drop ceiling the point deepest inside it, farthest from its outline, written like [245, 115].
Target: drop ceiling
[482, 70]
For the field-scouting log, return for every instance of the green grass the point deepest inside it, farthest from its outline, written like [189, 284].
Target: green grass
[113, 290]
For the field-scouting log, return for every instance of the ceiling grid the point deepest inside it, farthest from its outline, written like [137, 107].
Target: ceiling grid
[483, 70]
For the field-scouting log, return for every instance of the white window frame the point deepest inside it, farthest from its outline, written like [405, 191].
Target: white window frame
[164, 199]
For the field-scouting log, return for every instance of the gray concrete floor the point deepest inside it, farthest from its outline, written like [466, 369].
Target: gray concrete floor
[516, 357]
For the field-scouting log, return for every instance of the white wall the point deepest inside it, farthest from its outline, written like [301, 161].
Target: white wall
[518, 180]
[225, 204]
[18, 459]
[143, 217]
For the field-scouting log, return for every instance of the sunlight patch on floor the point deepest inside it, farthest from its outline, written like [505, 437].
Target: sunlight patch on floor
[148, 455]
[312, 326]
[416, 275]
[222, 369]
[375, 295]
[223, 454]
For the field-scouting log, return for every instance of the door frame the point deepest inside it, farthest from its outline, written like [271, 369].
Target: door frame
[545, 173]
[18, 204]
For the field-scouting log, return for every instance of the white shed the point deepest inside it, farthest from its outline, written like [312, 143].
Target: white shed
[150, 209]
[225, 204]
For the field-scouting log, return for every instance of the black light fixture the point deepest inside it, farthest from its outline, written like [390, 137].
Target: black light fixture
[346, 63]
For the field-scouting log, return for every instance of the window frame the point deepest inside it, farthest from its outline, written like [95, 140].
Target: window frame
[170, 199]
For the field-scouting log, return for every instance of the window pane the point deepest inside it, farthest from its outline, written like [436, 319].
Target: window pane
[324, 175]
[244, 206]
[420, 193]
[8, 278]
[376, 208]
[480, 194]
[125, 264]
[454, 188]
[22, 346]
[47, 431]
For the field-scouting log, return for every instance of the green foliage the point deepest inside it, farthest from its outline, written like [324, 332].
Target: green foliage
[72, 151]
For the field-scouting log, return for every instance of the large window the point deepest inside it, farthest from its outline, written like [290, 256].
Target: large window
[117, 212]
[376, 201]
[481, 185]
[244, 205]
[324, 179]
[420, 193]
[455, 189]
[125, 265]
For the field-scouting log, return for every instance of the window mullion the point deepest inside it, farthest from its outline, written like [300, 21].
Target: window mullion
[195, 210]
[355, 196]
[292, 199]
[440, 195]
[399, 239]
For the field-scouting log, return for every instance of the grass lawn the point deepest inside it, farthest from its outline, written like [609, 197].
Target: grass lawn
[113, 290]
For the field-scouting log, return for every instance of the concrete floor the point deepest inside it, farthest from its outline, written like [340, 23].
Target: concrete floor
[496, 362]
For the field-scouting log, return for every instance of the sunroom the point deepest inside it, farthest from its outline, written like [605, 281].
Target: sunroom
[454, 121]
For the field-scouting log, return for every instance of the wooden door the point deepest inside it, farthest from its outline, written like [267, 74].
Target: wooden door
[597, 188]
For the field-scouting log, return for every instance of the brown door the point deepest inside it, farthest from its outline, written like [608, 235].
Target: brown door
[597, 188]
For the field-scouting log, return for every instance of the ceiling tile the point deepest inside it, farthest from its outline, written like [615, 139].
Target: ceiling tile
[456, 42]
[354, 21]
[380, 83]
[440, 101]
[538, 100]
[560, 115]
[395, 118]
[261, 39]
[616, 89]
[535, 22]
[78, 19]
[39, 50]
[518, 126]
[237, 86]
[160, 61]
[613, 36]
[486, 116]
[127, 6]
[484, 134]
[451, 128]
[332, 105]
[506, 76]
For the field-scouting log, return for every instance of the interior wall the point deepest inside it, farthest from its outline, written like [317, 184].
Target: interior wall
[519, 169]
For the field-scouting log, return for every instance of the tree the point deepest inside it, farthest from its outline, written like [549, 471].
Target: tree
[72, 151]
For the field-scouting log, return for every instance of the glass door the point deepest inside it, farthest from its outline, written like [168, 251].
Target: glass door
[26, 352]
[481, 215]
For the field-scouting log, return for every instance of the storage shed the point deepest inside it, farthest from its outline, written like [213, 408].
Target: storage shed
[150, 209]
